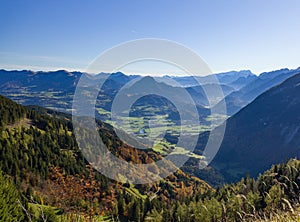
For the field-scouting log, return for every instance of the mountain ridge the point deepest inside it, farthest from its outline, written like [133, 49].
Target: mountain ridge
[259, 132]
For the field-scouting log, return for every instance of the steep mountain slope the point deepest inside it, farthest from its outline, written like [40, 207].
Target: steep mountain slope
[263, 133]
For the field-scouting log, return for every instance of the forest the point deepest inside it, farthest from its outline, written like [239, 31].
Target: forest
[40, 157]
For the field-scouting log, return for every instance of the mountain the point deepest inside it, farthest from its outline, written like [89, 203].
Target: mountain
[114, 81]
[242, 81]
[199, 93]
[263, 133]
[240, 98]
[147, 87]
[60, 80]
[232, 76]
[54, 89]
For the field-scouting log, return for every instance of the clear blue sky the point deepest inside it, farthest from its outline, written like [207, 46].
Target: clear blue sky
[259, 35]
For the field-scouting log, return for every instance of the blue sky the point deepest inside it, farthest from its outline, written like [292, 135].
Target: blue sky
[228, 35]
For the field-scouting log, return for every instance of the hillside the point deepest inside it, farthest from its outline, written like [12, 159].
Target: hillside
[39, 151]
[274, 196]
[264, 132]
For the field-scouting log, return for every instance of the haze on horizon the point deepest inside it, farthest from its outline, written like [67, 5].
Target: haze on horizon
[229, 35]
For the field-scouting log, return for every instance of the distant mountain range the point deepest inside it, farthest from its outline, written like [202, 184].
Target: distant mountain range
[237, 78]
[56, 89]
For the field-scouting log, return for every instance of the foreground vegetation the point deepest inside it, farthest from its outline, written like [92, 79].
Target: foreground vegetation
[274, 196]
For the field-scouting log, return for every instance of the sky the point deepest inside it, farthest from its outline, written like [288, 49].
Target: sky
[228, 35]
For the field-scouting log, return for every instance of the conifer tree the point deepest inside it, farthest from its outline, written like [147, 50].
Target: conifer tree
[10, 209]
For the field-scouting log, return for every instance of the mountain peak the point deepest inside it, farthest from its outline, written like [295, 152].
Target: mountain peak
[117, 74]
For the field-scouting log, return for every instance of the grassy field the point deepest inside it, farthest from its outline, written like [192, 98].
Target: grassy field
[135, 192]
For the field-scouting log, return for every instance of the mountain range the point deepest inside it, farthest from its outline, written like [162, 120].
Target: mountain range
[46, 88]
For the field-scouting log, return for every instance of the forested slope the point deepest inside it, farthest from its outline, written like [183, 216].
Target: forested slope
[39, 152]
[274, 196]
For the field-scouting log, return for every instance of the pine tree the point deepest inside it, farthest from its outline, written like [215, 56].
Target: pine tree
[10, 210]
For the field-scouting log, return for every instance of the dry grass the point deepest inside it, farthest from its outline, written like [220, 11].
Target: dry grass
[24, 122]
